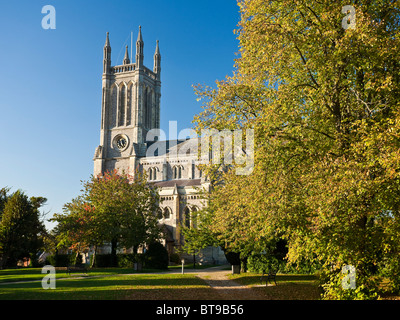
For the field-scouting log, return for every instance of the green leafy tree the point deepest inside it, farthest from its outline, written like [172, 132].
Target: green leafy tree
[324, 103]
[199, 235]
[21, 230]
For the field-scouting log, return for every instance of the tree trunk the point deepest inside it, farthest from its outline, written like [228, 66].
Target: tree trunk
[244, 264]
[94, 257]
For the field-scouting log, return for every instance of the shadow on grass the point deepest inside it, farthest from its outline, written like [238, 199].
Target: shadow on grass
[289, 286]
[255, 279]
[118, 294]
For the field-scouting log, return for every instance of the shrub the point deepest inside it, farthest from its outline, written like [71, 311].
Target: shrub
[60, 260]
[175, 258]
[156, 256]
[126, 260]
[264, 262]
[366, 287]
[103, 260]
[123, 260]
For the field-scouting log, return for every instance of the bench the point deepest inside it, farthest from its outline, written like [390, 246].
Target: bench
[270, 276]
[76, 268]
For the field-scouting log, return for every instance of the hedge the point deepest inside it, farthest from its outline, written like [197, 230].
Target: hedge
[61, 260]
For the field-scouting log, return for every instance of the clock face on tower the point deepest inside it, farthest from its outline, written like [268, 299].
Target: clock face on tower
[121, 142]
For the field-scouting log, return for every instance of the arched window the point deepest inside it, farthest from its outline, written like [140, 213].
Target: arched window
[113, 109]
[194, 217]
[180, 172]
[129, 103]
[167, 213]
[152, 173]
[186, 215]
[177, 172]
[149, 109]
[121, 107]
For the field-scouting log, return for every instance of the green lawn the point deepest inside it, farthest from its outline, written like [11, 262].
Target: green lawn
[28, 274]
[124, 286]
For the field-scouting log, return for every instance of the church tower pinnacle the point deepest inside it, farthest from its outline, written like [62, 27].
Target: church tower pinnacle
[126, 58]
[107, 56]
[139, 49]
[157, 62]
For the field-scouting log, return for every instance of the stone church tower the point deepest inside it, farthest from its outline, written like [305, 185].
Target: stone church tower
[130, 108]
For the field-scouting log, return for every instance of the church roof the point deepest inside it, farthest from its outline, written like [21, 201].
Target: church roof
[178, 183]
[173, 147]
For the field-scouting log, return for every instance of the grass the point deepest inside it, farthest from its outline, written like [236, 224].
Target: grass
[109, 287]
[29, 274]
[289, 286]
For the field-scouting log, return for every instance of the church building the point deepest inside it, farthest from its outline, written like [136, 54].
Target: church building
[130, 114]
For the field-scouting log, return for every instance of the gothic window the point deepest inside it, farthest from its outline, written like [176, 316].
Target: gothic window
[146, 108]
[152, 174]
[153, 115]
[177, 172]
[149, 108]
[180, 172]
[129, 104]
[121, 107]
[167, 213]
[113, 109]
[186, 215]
[194, 217]
[103, 108]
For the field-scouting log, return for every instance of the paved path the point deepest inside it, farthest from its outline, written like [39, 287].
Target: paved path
[225, 288]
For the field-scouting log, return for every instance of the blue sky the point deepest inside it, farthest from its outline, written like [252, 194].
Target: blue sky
[50, 80]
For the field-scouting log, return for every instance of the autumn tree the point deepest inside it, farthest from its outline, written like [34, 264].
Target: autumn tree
[116, 208]
[323, 99]
[77, 228]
